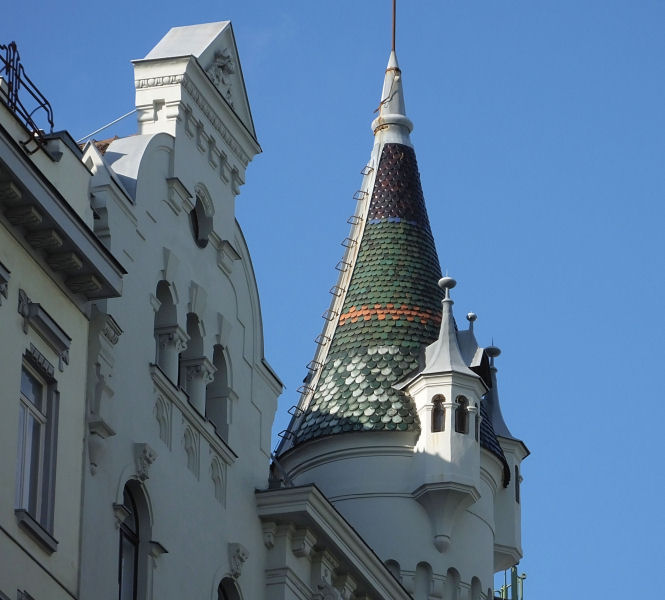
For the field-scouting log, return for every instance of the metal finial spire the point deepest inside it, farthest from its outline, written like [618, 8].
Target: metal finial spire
[394, 21]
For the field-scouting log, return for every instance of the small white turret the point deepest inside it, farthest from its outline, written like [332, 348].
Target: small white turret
[447, 395]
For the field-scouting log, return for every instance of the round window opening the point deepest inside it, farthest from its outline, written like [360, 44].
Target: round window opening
[201, 221]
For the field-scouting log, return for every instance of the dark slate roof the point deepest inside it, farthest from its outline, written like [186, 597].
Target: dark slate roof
[489, 441]
[391, 310]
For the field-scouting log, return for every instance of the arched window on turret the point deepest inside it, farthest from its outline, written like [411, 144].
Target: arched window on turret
[438, 414]
[200, 217]
[476, 588]
[423, 582]
[477, 422]
[462, 415]
[166, 321]
[518, 477]
[452, 585]
[393, 567]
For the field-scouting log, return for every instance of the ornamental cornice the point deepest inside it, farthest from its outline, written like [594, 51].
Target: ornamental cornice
[150, 82]
[212, 116]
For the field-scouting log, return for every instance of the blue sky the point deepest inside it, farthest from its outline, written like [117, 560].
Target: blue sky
[540, 135]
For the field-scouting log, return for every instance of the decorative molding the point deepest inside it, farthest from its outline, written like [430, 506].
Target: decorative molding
[191, 443]
[178, 194]
[151, 82]
[144, 456]
[36, 317]
[44, 239]
[238, 555]
[226, 256]
[163, 417]
[40, 361]
[178, 398]
[217, 123]
[218, 476]
[219, 70]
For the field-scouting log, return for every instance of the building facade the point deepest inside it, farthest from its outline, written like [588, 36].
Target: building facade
[159, 483]
[52, 269]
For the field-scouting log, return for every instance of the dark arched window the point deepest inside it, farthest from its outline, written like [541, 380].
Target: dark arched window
[477, 422]
[462, 415]
[517, 484]
[134, 542]
[227, 590]
[129, 548]
[438, 414]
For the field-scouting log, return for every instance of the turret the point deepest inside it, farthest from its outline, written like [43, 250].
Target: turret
[447, 394]
[392, 418]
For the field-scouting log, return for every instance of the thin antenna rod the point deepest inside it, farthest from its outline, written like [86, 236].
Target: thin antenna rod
[394, 20]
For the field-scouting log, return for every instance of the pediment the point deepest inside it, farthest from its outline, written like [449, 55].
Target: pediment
[214, 47]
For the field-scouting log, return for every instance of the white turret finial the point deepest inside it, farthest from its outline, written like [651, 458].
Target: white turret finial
[446, 284]
[392, 122]
[471, 318]
[492, 351]
[444, 355]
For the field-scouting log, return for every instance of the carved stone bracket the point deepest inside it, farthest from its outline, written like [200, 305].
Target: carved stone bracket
[326, 591]
[238, 555]
[302, 542]
[269, 530]
[144, 456]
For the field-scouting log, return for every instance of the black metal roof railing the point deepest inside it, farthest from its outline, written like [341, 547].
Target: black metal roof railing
[23, 98]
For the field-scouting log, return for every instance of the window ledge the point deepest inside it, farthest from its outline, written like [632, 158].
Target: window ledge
[32, 527]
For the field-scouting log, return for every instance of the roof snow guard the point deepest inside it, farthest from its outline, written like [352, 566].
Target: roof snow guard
[391, 310]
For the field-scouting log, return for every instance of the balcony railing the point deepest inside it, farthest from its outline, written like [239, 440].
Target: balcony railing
[23, 98]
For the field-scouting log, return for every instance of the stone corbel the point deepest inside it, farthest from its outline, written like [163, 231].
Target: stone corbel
[345, 584]
[324, 566]
[326, 591]
[302, 543]
[269, 530]
[444, 503]
[155, 550]
[236, 180]
[144, 456]
[238, 555]
[226, 256]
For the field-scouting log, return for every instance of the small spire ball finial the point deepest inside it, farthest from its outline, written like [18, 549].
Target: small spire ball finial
[447, 283]
[493, 351]
[471, 317]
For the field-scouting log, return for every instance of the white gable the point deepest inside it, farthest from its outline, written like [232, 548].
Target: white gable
[214, 47]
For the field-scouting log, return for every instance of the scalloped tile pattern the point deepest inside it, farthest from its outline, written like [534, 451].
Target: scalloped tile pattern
[392, 309]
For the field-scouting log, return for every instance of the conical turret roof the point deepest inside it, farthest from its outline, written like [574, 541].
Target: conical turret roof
[389, 307]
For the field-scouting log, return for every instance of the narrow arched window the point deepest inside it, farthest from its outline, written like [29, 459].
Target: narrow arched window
[227, 590]
[438, 414]
[217, 395]
[477, 423]
[422, 581]
[517, 484]
[129, 548]
[462, 415]
[135, 538]
[393, 567]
